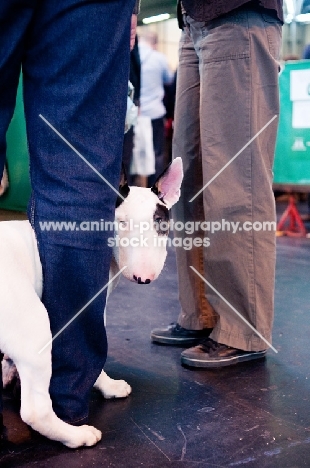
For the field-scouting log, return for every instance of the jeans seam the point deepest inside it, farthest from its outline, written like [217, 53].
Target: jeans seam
[85, 418]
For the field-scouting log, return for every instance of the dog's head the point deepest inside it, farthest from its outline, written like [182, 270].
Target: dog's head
[142, 220]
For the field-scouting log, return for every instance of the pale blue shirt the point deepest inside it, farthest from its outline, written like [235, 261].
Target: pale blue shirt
[155, 73]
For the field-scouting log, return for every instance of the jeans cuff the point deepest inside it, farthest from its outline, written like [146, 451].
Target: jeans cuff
[78, 422]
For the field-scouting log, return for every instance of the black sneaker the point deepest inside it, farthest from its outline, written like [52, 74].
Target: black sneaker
[177, 335]
[212, 354]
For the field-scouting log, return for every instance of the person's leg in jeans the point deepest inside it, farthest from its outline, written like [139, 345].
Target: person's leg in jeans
[75, 62]
[239, 96]
[197, 318]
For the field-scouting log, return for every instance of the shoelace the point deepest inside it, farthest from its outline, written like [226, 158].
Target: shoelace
[208, 344]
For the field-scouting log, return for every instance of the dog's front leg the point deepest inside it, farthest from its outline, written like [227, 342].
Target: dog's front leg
[31, 333]
[37, 411]
[111, 388]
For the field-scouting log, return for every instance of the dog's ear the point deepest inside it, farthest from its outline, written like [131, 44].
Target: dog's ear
[123, 187]
[167, 186]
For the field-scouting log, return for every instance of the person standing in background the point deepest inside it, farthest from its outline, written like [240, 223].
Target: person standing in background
[135, 79]
[155, 73]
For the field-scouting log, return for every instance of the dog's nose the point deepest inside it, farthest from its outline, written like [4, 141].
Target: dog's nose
[139, 281]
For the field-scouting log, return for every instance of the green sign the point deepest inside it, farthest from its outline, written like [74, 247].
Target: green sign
[292, 155]
[18, 193]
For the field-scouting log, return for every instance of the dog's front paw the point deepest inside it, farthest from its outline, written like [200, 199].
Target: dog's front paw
[83, 436]
[111, 388]
[116, 389]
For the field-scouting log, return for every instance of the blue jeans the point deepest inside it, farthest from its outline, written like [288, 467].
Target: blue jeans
[75, 60]
[227, 91]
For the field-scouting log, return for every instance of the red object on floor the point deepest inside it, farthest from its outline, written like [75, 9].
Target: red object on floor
[296, 225]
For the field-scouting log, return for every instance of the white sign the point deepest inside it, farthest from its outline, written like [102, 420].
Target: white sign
[300, 85]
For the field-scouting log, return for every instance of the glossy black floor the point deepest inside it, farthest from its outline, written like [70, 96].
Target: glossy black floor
[254, 414]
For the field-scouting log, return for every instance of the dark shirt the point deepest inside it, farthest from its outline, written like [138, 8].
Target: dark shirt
[135, 72]
[206, 10]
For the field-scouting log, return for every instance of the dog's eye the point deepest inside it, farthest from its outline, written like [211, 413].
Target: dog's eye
[123, 225]
[161, 226]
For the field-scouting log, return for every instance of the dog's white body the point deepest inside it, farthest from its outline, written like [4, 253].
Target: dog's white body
[24, 322]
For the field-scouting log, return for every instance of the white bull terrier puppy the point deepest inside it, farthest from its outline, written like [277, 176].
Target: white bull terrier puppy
[25, 327]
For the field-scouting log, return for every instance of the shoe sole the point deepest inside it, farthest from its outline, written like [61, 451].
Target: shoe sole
[211, 363]
[175, 341]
